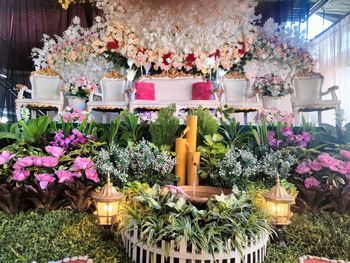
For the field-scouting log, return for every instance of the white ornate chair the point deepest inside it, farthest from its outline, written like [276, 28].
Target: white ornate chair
[46, 92]
[236, 95]
[172, 88]
[308, 95]
[113, 96]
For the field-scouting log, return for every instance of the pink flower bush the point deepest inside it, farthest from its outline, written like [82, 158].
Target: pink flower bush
[64, 176]
[92, 175]
[70, 142]
[82, 163]
[329, 162]
[345, 154]
[74, 115]
[289, 138]
[20, 175]
[55, 151]
[37, 161]
[311, 182]
[5, 156]
[23, 162]
[49, 161]
[44, 180]
[303, 168]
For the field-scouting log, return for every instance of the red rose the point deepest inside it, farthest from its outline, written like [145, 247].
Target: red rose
[190, 58]
[241, 51]
[112, 45]
[216, 54]
[165, 57]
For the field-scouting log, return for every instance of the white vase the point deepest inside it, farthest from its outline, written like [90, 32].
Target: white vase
[270, 102]
[76, 102]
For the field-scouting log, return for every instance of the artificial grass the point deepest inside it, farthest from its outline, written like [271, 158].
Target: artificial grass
[58, 234]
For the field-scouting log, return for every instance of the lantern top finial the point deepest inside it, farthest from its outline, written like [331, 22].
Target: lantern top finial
[108, 193]
[278, 194]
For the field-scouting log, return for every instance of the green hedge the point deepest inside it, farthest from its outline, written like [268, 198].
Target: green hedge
[319, 234]
[58, 234]
[54, 235]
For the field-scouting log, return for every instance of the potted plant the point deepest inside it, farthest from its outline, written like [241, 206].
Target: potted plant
[271, 87]
[77, 91]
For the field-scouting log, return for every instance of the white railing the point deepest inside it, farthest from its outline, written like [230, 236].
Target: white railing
[253, 252]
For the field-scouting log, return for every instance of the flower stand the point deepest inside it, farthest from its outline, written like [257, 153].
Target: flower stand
[271, 102]
[141, 253]
[76, 102]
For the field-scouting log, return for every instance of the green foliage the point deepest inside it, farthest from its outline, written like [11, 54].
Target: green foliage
[225, 223]
[31, 132]
[130, 128]
[236, 134]
[259, 133]
[213, 151]
[55, 235]
[318, 234]
[163, 130]
[207, 125]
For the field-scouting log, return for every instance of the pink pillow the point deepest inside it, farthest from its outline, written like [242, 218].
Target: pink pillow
[201, 90]
[144, 90]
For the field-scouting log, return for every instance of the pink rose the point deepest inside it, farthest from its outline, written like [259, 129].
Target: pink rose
[44, 180]
[23, 162]
[82, 163]
[49, 161]
[20, 175]
[64, 176]
[345, 154]
[92, 175]
[54, 151]
[5, 156]
[303, 168]
[311, 182]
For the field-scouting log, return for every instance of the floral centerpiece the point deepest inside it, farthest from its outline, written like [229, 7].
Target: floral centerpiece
[78, 90]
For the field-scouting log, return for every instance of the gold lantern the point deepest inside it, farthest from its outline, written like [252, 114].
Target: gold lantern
[107, 204]
[278, 204]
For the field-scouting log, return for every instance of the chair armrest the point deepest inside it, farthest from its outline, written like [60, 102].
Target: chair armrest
[92, 94]
[331, 90]
[22, 88]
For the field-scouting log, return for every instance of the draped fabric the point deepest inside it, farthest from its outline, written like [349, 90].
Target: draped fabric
[333, 55]
[22, 25]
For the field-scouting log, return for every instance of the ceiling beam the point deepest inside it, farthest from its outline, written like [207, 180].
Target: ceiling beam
[317, 6]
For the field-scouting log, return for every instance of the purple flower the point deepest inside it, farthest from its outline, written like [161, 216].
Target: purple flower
[5, 156]
[287, 131]
[44, 180]
[20, 175]
[23, 162]
[272, 140]
[345, 154]
[49, 161]
[54, 151]
[82, 163]
[311, 182]
[91, 174]
[78, 133]
[303, 168]
[64, 176]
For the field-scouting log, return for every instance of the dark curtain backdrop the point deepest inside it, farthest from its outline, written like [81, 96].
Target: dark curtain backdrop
[23, 23]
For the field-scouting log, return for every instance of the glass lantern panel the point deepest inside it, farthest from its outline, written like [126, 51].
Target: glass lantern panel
[107, 212]
[280, 212]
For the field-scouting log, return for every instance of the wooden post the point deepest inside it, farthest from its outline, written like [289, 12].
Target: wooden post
[192, 132]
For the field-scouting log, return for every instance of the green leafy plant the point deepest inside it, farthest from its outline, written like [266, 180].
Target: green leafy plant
[31, 132]
[207, 124]
[163, 130]
[130, 128]
[213, 151]
[166, 217]
[236, 134]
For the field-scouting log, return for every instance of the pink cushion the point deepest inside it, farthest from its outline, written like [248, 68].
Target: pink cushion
[201, 90]
[144, 90]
